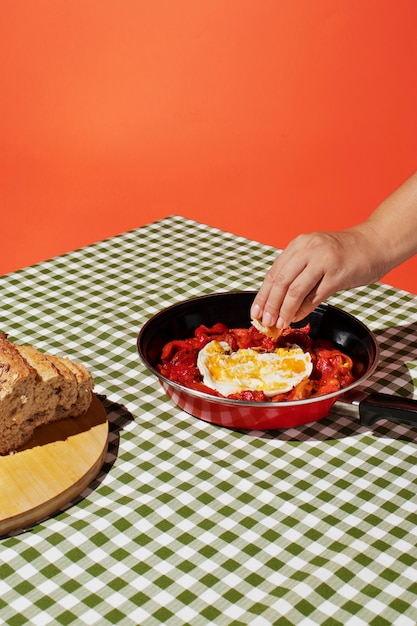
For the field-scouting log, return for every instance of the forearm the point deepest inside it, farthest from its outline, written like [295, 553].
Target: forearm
[391, 230]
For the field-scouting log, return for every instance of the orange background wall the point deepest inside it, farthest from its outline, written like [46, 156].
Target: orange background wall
[261, 117]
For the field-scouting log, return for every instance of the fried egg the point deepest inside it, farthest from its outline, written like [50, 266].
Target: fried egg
[250, 369]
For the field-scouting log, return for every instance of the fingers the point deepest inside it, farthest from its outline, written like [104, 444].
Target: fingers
[310, 302]
[280, 308]
[301, 298]
[291, 288]
[283, 299]
[269, 298]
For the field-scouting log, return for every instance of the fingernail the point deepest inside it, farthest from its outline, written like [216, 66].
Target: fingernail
[255, 311]
[280, 323]
[267, 319]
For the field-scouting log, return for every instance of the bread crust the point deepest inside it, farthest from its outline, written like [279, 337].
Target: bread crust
[37, 389]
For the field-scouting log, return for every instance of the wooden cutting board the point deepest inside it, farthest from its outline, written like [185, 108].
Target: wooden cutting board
[51, 470]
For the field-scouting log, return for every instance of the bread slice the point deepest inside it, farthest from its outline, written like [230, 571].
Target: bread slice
[37, 389]
[17, 395]
[68, 392]
[83, 385]
[269, 331]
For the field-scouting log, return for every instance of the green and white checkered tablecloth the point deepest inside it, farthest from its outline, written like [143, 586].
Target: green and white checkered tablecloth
[189, 523]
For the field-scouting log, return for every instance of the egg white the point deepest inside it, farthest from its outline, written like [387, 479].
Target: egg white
[249, 369]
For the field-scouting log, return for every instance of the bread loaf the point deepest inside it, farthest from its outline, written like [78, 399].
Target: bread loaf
[36, 389]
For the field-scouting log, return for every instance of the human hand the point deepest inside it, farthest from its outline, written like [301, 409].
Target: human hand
[313, 267]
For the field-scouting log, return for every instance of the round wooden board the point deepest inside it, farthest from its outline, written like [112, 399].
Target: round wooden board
[57, 464]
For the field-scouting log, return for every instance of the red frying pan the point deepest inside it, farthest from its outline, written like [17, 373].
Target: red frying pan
[346, 332]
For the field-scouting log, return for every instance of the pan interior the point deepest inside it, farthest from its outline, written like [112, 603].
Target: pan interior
[180, 320]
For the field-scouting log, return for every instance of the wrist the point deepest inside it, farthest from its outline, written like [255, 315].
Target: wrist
[375, 253]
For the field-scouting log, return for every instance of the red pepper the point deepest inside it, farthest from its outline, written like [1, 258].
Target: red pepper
[217, 329]
[249, 396]
[172, 347]
[299, 336]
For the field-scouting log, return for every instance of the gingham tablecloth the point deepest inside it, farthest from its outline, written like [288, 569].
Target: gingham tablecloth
[189, 523]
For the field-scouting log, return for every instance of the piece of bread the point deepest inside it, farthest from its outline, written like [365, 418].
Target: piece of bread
[269, 331]
[36, 389]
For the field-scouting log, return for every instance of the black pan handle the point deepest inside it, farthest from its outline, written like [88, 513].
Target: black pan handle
[376, 406]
